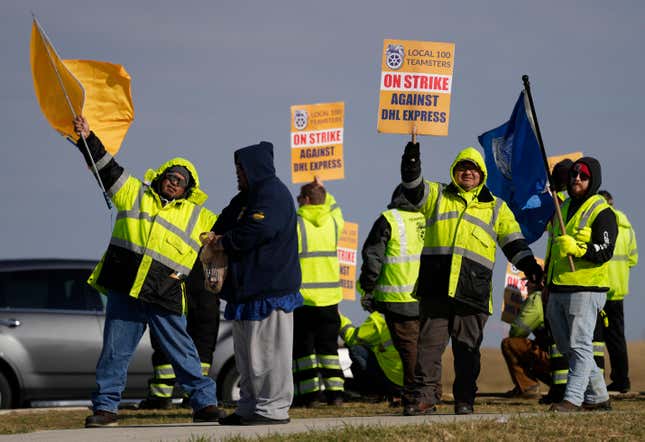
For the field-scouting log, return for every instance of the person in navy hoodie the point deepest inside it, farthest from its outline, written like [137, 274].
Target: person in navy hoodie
[261, 290]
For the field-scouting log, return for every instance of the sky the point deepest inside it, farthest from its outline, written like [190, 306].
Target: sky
[211, 77]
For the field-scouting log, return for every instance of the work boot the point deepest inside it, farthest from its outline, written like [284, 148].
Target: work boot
[156, 403]
[210, 413]
[533, 392]
[464, 408]
[564, 407]
[600, 406]
[419, 408]
[101, 418]
[621, 388]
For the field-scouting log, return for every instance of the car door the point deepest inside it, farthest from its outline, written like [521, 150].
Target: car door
[52, 335]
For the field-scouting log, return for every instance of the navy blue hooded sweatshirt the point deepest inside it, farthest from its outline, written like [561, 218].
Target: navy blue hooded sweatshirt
[260, 236]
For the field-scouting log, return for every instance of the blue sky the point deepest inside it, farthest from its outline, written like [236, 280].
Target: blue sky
[210, 77]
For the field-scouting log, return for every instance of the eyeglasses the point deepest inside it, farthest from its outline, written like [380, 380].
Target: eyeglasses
[176, 180]
[583, 176]
[466, 165]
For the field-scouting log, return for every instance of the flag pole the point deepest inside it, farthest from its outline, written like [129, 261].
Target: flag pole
[71, 108]
[553, 191]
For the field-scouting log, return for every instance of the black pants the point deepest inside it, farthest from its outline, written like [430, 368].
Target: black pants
[616, 345]
[315, 352]
[202, 319]
[444, 319]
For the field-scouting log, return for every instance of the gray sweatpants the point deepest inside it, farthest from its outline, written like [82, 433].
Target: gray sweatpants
[263, 353]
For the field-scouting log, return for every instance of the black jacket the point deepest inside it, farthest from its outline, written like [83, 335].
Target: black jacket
[373, 255]
[260, 236]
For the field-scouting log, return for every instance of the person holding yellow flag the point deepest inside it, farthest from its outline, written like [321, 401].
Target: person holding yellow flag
[154, 245]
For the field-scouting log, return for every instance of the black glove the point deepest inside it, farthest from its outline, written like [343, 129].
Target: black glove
[368, 302]
[535, 274]
[411, 152]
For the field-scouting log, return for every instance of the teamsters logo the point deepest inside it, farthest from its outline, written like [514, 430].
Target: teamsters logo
[503, 155]
[394, 55]
[300, 119]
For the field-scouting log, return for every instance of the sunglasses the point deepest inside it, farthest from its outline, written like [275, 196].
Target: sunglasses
[583, 176]
[176, 180]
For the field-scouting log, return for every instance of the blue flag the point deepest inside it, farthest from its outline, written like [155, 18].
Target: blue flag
[516, 171]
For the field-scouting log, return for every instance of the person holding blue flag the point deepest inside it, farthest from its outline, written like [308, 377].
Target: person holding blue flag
[516, 171]
[464, 224]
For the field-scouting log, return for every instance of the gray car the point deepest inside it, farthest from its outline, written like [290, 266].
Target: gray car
[51, 326]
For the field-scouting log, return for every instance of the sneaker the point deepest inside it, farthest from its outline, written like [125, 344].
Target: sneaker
[156, 403]
[463, 408]
[418, 409]
[621, 388]
[600, 406]
[208, 414]
[258, 419]
[564, 407]
[101, 418]
[231, 419]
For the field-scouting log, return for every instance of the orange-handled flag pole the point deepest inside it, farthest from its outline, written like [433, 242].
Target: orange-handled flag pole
[51, 58]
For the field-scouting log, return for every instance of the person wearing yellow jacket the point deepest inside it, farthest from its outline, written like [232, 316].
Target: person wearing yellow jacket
[578, 293]
[528, 359]
[625, 257]
[154, 245]
[464, 224]
[316, 323]
[376, 364]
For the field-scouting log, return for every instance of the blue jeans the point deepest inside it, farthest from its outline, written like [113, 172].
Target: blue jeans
[125, 323]
[572, 318]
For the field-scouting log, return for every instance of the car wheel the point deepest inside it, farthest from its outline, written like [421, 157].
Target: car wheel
[230, 385]
[6, 396]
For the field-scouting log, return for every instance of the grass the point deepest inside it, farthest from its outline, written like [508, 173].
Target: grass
[623, 423]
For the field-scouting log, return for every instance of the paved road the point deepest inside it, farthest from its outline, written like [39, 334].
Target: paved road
[183, 432]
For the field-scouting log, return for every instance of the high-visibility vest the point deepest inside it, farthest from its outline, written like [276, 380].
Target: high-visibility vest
[468, 231]
[587, 273]
[168, 234]
[374, 334]
[402, 257]
[625, 257]
[317, 250]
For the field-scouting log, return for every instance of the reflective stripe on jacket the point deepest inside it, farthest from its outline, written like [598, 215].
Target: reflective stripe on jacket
[402, 257]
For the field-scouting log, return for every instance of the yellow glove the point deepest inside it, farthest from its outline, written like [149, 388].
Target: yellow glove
[583, 235]
[567, 245]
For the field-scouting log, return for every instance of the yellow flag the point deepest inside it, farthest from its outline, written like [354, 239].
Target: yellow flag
[50, 77]
[98, 90]
[108, 103]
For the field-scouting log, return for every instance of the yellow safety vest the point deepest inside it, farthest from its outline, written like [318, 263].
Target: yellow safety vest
[587, 273]
[400, 269]
[375, 335]
[167, 234]
[625, 257]
[468, 231]
[317, 251]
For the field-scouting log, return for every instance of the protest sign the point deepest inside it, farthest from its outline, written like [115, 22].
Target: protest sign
[347, 246]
